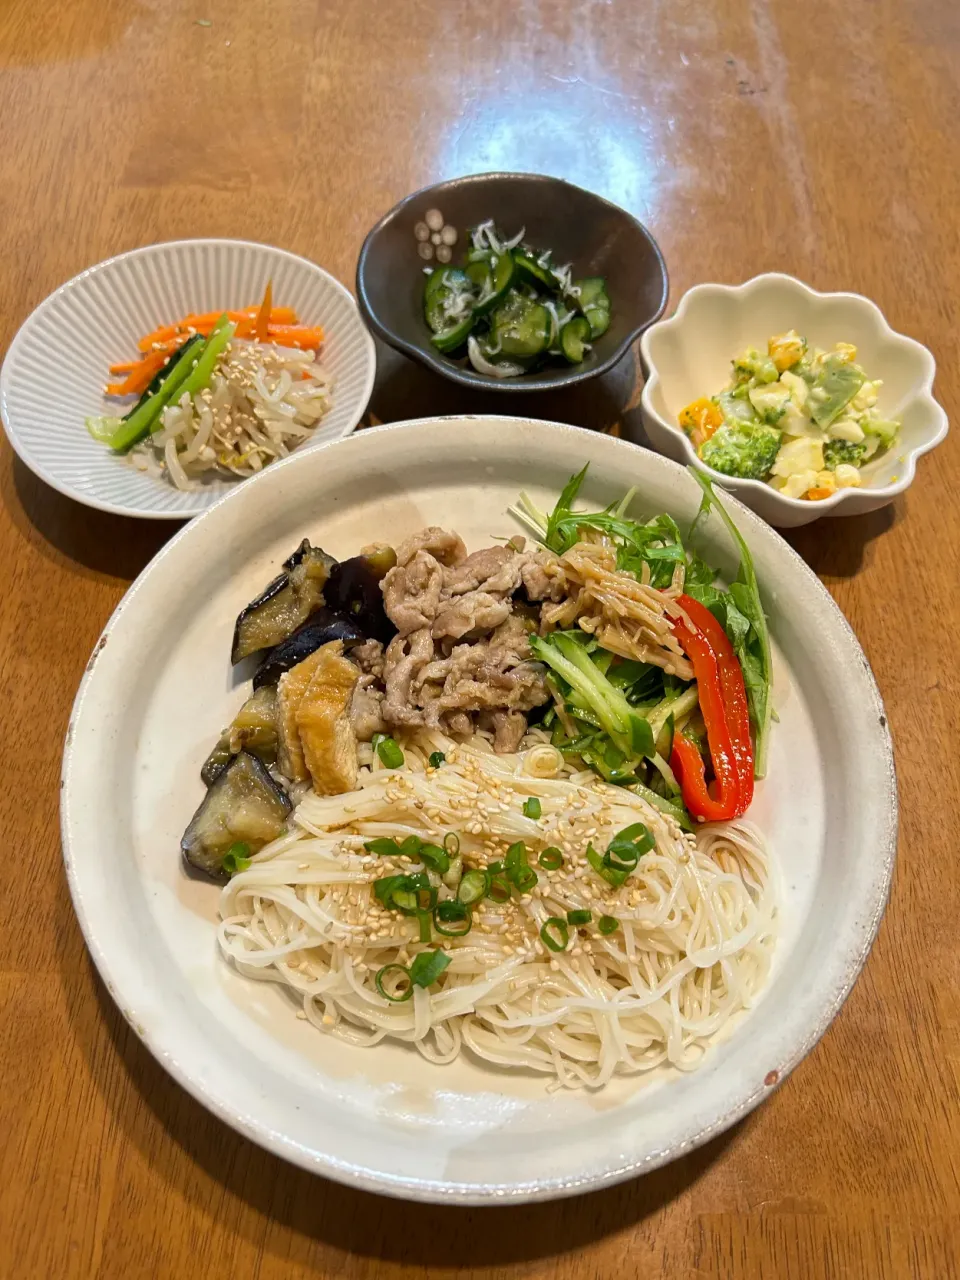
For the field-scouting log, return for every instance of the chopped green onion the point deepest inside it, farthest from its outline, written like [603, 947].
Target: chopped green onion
[237, 858]
[495, 867]
[432, 856]
[472, 887]
[452, 919]
[404, 994]
[451, 842]
[436, 759]
[532, 808]
[555, 934]
[608, 924]
[423, 920]
[408, 894]
[623, 853]
[499, 890]
[551, 859]
[579, 917]
[391, 757]
[520, 874]
[608, 873]
[637, 834]
[427, 968]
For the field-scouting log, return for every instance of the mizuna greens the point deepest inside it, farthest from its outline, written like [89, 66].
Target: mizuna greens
[623, 718]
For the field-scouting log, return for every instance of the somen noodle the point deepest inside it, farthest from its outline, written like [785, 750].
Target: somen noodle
[691, 932]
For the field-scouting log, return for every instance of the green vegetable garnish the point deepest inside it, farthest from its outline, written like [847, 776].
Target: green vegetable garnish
[472, 888]
[579, 917]
[555, 934]
[551, 859]
[452, 918]
[532, 808]
[436, 759]
[607, 925]
[427, 968]
[237, 858]
[391, 757]
[403, 975]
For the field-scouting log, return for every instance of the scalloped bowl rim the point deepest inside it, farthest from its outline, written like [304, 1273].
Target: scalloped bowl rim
[737, 484]
[468, 377]
[145, 250]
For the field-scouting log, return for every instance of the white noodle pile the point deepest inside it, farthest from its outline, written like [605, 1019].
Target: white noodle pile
[697, 919]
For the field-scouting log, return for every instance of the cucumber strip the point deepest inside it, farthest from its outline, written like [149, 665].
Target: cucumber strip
[187, 376]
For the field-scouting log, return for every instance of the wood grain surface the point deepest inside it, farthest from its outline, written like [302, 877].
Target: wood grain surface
[821, 139]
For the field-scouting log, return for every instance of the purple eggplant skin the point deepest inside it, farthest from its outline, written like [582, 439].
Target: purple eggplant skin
[319, 629]
[284, 603]
[354, 589]
[244, 804]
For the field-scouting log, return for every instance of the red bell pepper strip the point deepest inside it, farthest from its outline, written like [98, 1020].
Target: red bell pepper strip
[723, 704]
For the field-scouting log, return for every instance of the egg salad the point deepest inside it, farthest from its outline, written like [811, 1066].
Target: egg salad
[802, 419]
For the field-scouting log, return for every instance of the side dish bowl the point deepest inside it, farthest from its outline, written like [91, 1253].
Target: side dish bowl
[689, 356]
[54, 372]
[158, 691]
[597, 237]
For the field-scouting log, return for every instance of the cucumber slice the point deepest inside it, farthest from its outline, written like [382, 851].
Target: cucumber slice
[590, 291]
[520, 327]
[444, 284]
[501, 277]
[530, 269]
[598, 318]
[454, 337]
[573, 335]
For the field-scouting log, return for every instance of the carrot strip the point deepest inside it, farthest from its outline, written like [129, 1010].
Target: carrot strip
[197, 323]
[310, 339]
[263, 315]
[126, 367]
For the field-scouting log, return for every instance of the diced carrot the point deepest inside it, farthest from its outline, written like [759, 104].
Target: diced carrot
[263, 315]
[815, 495]
[700, 419]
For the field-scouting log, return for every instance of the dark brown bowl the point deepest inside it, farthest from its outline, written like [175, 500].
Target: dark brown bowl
[599, 238]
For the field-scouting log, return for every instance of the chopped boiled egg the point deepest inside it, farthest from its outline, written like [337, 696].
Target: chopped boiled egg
[799, 456]
[847, 477]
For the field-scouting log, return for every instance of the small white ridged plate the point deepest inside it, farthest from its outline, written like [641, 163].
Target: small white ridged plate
[56, 367]
[159, 689]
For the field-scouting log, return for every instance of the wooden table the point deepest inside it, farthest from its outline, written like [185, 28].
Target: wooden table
[820, 139]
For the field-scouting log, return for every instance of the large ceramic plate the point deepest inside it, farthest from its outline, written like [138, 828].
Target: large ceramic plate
[159, 689]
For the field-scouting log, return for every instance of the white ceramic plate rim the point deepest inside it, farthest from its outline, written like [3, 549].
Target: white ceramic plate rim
[825, 505]
[835, 980]
[119, 508]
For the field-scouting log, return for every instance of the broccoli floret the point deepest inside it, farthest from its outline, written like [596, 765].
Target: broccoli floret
[752, 364]
[836, 452]
[747, 450]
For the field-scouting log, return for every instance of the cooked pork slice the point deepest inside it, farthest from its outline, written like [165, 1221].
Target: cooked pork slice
[411, 593]
[405, 657]
[290, 690]
[446, 547]
[477, 611]
[495, 569]
[366, 709]
[323, 722]
[541, 576]
[508, 729]
[369, 657]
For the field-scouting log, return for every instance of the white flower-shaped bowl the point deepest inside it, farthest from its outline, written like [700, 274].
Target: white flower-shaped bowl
[53, 374]
[689, 356]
